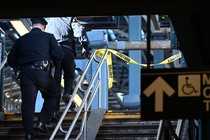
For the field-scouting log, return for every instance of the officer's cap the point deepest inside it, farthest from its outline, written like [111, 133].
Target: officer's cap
[39, 20]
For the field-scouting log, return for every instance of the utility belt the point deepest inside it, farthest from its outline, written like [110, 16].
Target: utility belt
[37, 65]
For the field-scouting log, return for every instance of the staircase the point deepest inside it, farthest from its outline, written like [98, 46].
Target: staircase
[12, 128]
[126, 125]
[117, 125]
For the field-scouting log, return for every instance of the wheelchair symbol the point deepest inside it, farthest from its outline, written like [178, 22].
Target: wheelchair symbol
[188, 88]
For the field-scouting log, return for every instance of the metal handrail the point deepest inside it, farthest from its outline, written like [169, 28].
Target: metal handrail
[160, 129]
[4, 61]
[175, 134]
[92, 89]
[179, 126]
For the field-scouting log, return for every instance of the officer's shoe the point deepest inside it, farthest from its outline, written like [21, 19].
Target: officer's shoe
[66, 97]
[72, 107]
[42, 127]
[55, 117]
[29, 137]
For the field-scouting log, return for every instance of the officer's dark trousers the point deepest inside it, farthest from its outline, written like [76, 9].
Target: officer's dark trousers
[67, 68]
[32, 80]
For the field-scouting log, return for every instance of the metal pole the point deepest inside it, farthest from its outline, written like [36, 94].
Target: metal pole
[148, 41]
[2, 50]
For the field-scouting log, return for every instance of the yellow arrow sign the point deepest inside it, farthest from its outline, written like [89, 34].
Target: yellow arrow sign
[158, 87]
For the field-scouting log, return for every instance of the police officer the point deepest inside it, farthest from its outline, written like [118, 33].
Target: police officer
[32, 55]
[67, 30]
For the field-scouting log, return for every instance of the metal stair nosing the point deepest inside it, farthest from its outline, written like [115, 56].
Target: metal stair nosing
[127, 125]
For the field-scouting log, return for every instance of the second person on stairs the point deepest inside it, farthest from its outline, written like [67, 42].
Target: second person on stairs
[67, 30]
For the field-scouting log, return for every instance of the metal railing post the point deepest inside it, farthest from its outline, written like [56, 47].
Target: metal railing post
[2, 58]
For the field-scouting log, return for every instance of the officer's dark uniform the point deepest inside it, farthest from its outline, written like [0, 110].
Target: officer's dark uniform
[31, 54]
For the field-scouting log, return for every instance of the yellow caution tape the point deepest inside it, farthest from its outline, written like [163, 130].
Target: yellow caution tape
[100, 53]
[110, 69]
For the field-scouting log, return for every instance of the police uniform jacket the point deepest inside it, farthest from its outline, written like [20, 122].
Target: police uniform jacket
[35, 46]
